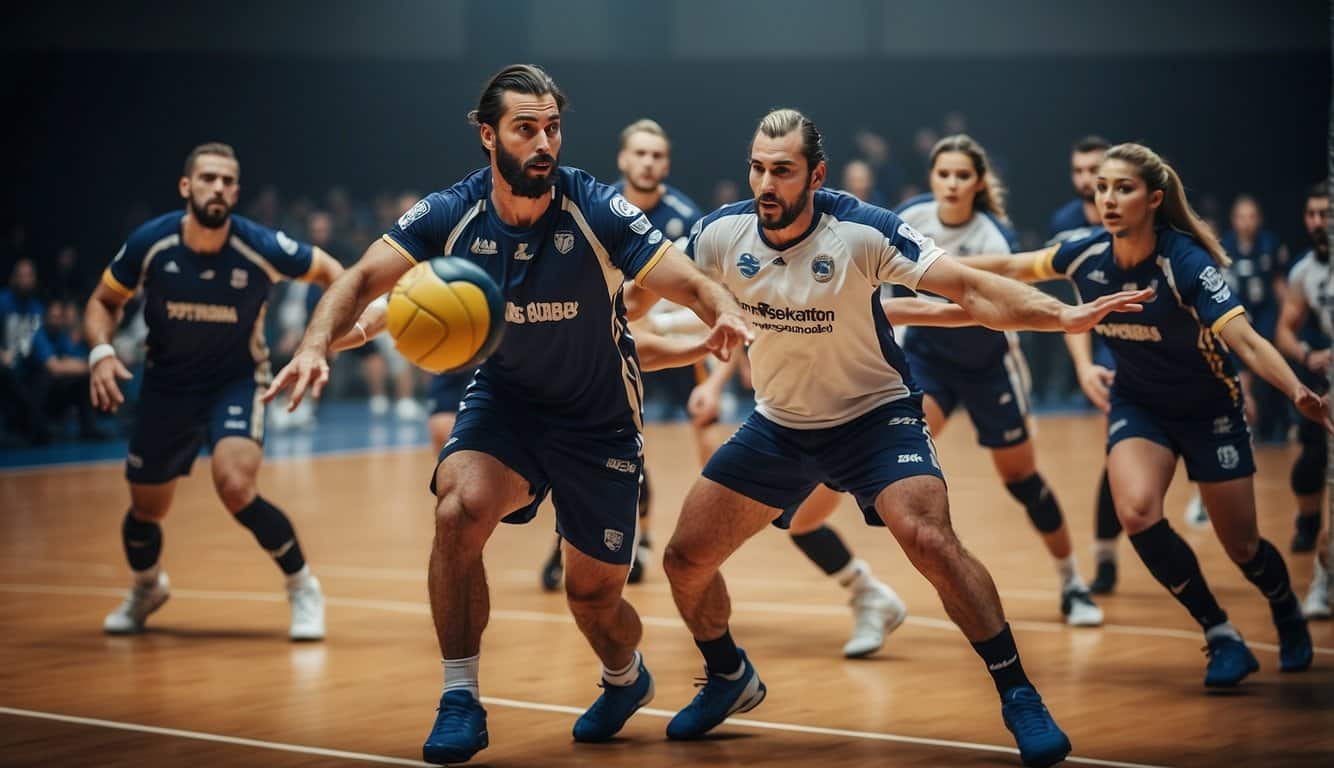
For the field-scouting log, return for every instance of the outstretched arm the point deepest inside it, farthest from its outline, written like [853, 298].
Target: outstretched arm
[1261, 357]
[908, 310]
[657, 351]
[674, 277]
[1008, 305]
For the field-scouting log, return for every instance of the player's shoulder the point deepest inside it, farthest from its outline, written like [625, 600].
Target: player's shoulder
[680, 202]
[998, 227]
[256, 235]
[464, 192]
[1179, 247]
[853, 216]
[1303, 266]
[738, 215]
[155, 230]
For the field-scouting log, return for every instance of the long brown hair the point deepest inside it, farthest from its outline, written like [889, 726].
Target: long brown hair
[1175, 211]
[991, 195]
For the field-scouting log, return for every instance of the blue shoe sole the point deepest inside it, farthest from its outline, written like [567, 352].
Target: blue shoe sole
[1251, 667]
[446, 755]
[595, 738]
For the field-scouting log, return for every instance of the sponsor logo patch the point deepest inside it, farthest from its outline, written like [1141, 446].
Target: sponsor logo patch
[483, 247]
[1211, 279]
[911, 234]
[418, 210]
[622, 207]
[564, 241]
[822, 267]
[747, 265]
[286, 243]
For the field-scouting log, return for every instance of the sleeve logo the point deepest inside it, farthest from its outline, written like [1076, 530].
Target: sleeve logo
[1211, 279]
[286, 243]
[640, 225]
[417, 211]
[911, 234]
[624, 208]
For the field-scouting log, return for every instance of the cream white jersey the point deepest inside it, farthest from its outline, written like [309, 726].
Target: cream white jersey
[823, 353]
[1311, 278]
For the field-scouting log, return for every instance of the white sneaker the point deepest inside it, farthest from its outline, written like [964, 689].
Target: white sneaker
[1316, 604]
[876, 612]
[307, 611]
[142, 601]
[379, 405]
[1196, 515]
[407, 409]
[1079, 609]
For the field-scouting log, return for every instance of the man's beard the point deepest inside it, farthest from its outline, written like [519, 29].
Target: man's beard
[789, 213]
[207, 219]
[516, 174]
[1320, 240]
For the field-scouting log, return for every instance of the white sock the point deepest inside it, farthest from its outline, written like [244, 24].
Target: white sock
[1221, 630]
[299, 579]
[856, 576]
[146, 577]
[1069, 572]
[461, 675]
[1104, 551]
[623, 677]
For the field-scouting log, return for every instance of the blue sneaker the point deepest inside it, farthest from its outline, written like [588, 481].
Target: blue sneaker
[718, 698]
[459, 731]
[1229, 662]
[1041, 742]
[608, 714]
[1294, 644]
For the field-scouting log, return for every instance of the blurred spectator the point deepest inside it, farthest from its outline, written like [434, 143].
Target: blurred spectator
[20, 312]
[875, 150]
[56, 374]
[14, 247]
[955, 123]
[266, 207]
[859, 181]
[725, 191]
[66, 281]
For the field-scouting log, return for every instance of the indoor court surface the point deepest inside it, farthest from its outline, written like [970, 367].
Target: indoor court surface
[216, 682]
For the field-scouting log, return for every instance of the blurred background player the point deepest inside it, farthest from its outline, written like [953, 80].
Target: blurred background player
[981, 369]
[206, 277]
[1151, 237]
[1307, 302]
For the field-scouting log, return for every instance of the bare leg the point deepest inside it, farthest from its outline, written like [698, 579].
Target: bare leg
[593, 589]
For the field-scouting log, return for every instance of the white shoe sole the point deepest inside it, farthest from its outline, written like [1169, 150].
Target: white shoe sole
[135, 629]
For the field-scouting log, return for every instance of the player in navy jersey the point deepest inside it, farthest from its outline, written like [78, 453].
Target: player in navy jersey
[1176, 393]
[1303, 333]
[645, 160]
[205, 276]
[556, 409]
[980, 369]
[836, 404]
[1077, 217]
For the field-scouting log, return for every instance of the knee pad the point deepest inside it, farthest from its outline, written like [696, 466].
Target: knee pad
[1038, 501]
[1308, 472]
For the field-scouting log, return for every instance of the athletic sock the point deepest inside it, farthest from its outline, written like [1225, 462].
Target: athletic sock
[1002, 660]
[1107, 524]
[825, 548]
[721, 655]
[1170, 559]
[1068, 569]
[856, 577]
[461, 674]
[1104, 551]
[628, 675]
[274, 533]
[1268, 572]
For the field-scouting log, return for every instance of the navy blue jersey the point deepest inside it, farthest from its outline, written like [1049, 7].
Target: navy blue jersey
[205, 311]
[1254, 270]
[974, 347]
[567, 351]
[1169, 358]
[674, 215]
[1069, 223]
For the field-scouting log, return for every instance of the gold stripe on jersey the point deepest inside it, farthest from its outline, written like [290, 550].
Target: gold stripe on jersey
[1043, 267]
[653, 262]
[401, 250]
[315, 252]
[110, 281]
[1218, 324]
[1208, 345]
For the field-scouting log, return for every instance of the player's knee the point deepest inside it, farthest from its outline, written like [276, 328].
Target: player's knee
[459, 508]
[928, 538]
[681, 562]
[591, 596]
[236, 490]
[1308, 472]
[1242, 551]
[1038, 502]
[1137, 511]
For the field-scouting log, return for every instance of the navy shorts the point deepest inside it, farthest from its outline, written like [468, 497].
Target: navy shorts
[780, 466]
[173, 426]
[995, 397]
[1215, 448]
[446, 391]
[593, 478]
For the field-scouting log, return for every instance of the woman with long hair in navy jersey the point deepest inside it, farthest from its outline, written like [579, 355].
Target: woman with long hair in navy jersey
[1176, 393]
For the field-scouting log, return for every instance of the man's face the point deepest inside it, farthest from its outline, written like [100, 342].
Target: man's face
[319, 228]
[645, 161]
[781, 182]
[526, 143]
[1316, 217]
[1084, 172]
[857, 179]
[24, 280]
[211, 189]
[1245, 218]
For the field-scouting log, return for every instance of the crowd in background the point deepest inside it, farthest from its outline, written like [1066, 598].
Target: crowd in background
[44, 373]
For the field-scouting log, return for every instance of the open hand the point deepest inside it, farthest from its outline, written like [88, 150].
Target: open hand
[1081, 318]
[102, 387]
[308, 368]
[1096, 382]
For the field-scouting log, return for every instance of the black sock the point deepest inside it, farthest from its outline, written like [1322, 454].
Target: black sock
[1268, 572]
[1309, 525]
[1108, 526]
[824, 547]
[644, 539]
[1002, 660]
[274, 533]
[143, 542]
[1170, 559]
[720, 655]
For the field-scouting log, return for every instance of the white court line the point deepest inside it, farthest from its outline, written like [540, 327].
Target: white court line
[424, 609]
[65, 466]
[540, 707]
[201, 736]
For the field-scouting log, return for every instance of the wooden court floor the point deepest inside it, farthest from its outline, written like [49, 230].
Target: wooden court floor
[217, 683]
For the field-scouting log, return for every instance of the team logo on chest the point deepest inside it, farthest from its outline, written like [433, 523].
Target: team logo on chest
[822, 267]
[747, 265]
[521, 253]
[240, 279]
[564, 241]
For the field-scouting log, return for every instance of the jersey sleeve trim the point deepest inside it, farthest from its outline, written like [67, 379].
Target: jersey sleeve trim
[401, 250]
[1044, 267]
[315, 252]
[1226, 318]
[110, 281]
[652, 262]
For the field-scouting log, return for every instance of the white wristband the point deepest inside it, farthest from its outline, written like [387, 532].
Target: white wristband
[100, 353]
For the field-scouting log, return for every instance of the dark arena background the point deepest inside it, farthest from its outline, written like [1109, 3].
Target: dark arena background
[343, 114]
